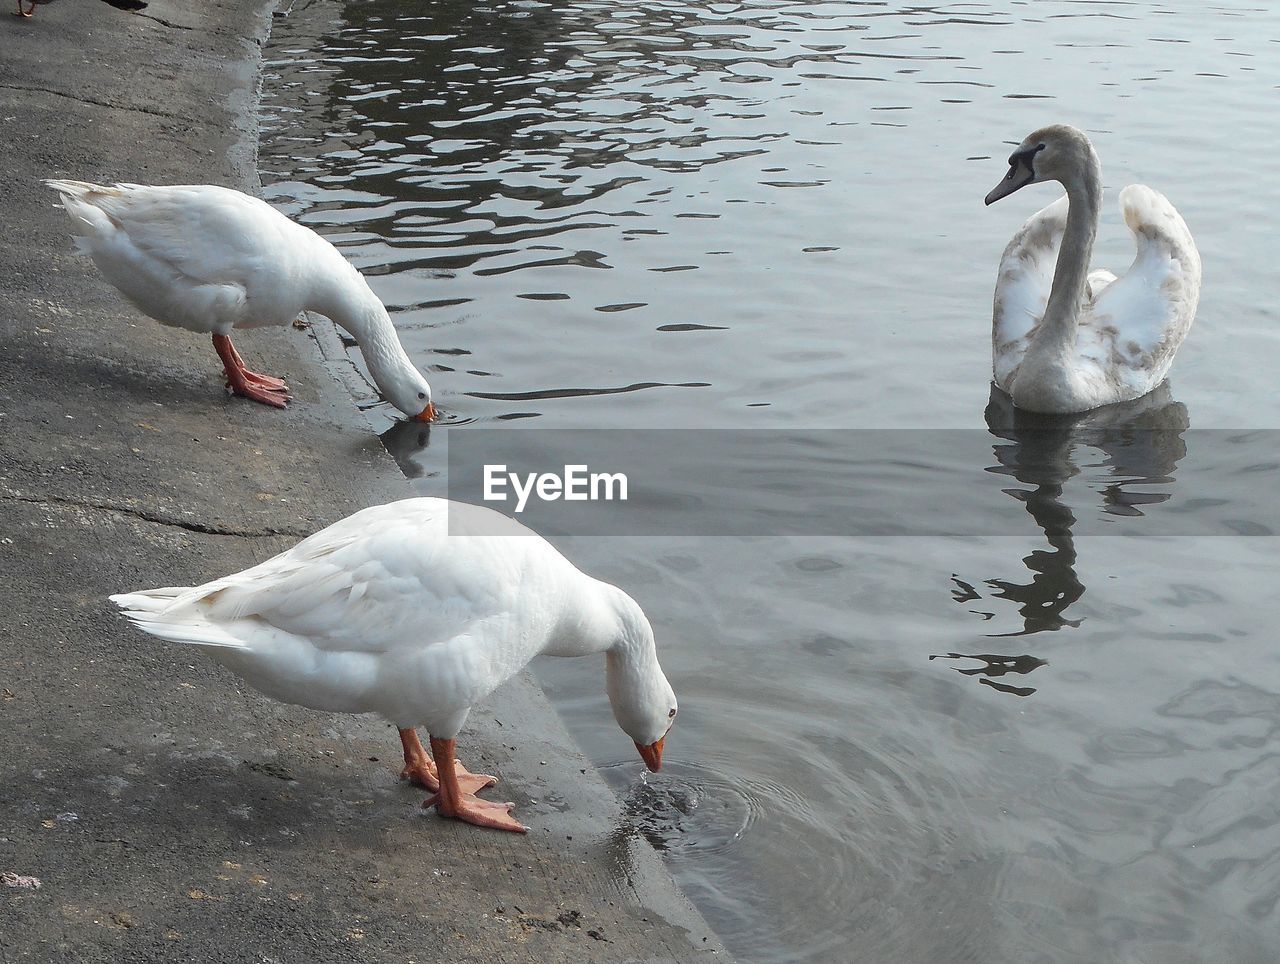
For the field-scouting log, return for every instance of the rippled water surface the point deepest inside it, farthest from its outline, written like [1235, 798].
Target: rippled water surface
[1040, 743]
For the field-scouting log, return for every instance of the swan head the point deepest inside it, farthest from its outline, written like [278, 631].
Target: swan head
[643, 702]
[1054, 153]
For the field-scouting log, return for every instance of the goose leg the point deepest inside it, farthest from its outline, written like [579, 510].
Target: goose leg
[453, 801]
[266, 381]
[241, 381]
[28, 12]
[419, 769]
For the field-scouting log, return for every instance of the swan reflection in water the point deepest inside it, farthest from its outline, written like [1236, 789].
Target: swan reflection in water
[1142, 442]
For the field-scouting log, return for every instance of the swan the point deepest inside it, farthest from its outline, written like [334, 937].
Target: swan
[211, 259]
[415, 610]
[1065, 339]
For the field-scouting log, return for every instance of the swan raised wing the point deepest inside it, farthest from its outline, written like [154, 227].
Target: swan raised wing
[1137, 322]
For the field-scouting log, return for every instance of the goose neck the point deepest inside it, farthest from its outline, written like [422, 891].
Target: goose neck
[345, 298]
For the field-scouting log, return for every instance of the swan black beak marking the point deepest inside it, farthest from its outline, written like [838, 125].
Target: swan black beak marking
[1022, 172]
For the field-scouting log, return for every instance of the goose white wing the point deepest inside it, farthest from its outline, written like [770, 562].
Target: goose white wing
[1136, 323]
[1022, 288]
[184, 255]
[385, 579]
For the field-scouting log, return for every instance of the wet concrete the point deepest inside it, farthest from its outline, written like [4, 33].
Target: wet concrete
[167, 811]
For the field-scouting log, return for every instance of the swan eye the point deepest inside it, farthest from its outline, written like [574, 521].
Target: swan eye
[1025, 158]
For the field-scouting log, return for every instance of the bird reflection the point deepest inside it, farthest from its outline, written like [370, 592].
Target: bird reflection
[999, 666]
[404, 440]
[1141, 442]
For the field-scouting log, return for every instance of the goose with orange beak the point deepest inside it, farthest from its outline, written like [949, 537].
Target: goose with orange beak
[415, 611]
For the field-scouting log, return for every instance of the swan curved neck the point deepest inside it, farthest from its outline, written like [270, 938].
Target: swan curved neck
[1070, 275]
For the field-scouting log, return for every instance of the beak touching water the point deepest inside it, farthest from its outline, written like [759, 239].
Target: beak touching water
[652, 754]
[428, 414]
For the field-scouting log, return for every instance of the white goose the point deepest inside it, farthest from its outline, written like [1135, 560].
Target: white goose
[1067, 340]
[415, 610]
[210, 259]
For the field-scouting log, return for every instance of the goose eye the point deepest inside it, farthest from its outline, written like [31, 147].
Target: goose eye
[672, 714]
[422, 394]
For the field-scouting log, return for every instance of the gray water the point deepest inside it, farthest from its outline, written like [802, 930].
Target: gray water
[1048, 730]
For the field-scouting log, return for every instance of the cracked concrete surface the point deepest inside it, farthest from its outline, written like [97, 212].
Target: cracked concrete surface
[169, 812]
[43, 92]
[145, 516]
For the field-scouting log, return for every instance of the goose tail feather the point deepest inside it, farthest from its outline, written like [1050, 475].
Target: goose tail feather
[153, 611]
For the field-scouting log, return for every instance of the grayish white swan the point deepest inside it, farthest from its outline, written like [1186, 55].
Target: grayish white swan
[1065, 339]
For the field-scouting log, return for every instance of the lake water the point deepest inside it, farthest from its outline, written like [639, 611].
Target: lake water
[1033, 716]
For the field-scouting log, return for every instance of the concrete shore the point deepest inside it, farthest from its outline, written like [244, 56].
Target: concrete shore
[168, 812]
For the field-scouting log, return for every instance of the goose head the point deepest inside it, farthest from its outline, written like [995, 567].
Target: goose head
[1054, 153]
[342, 294]
[642, 700]
[393, 371]
[408, 391]
[645, 708]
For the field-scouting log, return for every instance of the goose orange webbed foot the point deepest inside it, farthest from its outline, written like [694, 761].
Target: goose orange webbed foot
[455, 802]
[265, 381]
[255, 378]
[426, 777]
[275, 397]
[483, 813]
[266, 389]
[420, 771]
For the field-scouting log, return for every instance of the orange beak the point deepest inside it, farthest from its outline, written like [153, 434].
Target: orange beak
[428, 414]
[652, 754]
